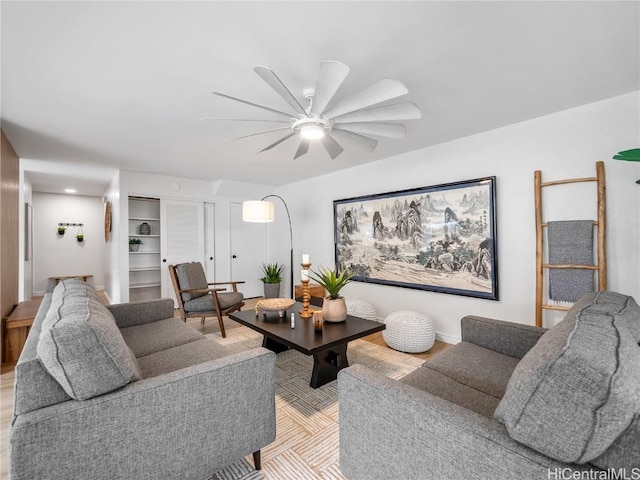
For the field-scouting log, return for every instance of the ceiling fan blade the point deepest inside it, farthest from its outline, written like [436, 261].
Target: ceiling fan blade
[330, 77]
[274, 82]
[277, 142]
[260, 133]
[391, 130]
[369, 144]
[331, 146]
[245, 120]
[385, 89]
[302, 148]
[288, 115]
[386, 113]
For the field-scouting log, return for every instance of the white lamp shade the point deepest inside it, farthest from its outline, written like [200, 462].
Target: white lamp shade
[257, 211]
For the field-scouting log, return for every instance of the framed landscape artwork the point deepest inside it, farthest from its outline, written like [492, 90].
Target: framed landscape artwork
[440, 238]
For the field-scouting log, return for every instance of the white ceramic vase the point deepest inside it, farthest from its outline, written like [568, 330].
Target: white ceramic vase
[334, 310]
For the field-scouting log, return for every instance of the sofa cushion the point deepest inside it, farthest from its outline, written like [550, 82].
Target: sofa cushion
[156, 336]
[82, 348]
[205, 303]
[448, 389]
[628, 313]
[477, 367]
[191, 277]
[182, 356]
[576, 391]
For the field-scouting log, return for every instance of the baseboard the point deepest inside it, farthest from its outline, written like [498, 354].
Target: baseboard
[447, 339]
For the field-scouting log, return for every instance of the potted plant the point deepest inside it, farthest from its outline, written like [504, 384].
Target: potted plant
[272, 279]
[80, 238]
[61, 230]
[134, 244]
[334, 308]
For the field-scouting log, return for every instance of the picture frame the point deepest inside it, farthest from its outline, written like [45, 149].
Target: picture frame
[440, 238]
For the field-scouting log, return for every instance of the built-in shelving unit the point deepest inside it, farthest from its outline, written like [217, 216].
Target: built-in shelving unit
[144, 265]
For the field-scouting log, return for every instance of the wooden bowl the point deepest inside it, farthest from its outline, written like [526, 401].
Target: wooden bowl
[275, 305]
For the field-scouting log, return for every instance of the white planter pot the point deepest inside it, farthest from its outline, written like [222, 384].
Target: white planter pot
[334, 310]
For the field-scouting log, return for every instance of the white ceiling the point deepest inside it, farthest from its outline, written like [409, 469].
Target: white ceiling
[91, 87]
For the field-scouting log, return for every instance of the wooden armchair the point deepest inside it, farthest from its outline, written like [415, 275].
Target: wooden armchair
[198, 298]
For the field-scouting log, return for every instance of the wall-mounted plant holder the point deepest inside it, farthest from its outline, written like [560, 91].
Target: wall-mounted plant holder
[61, 231]
[80, 235]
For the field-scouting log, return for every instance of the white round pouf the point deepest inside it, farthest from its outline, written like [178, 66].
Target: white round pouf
[362, 309]
[410, 332]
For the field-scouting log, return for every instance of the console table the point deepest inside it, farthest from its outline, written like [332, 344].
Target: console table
[15, 329]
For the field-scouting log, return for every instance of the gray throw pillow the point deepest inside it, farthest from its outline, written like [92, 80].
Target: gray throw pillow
[576, 391]
[83, 349]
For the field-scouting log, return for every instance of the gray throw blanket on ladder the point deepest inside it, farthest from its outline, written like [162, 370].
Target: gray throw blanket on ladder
[570, 242]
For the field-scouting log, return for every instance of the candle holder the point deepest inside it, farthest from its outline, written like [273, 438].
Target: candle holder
[305, 312]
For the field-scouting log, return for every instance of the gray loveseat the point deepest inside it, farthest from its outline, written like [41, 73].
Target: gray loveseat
[129, 392]
[509, 402]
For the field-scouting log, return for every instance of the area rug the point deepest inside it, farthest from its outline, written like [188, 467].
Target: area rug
[306, 444]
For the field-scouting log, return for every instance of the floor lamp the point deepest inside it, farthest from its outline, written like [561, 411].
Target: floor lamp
[260, 211]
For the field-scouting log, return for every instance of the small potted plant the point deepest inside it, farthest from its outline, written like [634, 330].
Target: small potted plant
[134, 244]
[80, 238]
[61, 230]
[272, 279]
[334, 308]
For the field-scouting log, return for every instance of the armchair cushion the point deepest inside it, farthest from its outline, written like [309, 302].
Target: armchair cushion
[205, 303]
[191, 277]
[576, 391]
[82, 348]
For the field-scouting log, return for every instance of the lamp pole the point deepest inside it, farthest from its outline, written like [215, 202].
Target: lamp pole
[290, 236]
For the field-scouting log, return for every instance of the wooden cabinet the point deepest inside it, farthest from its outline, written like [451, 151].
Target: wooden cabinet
[144, 262]
[16, 328]
[314, 291]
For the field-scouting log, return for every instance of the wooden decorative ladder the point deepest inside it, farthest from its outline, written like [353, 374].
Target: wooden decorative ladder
[600, 224]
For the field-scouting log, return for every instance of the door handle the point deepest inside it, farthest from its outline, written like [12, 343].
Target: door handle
[164, 260]
[234, 256]
[210, 258]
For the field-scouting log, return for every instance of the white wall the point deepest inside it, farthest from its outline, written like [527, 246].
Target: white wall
[54, 255]
[128, 183]
[25, 267]
[562, 145]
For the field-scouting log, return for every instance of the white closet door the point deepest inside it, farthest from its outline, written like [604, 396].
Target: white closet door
[182, 224]
[247, 252]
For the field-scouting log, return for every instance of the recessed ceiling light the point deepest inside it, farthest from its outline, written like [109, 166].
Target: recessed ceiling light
[70, 190]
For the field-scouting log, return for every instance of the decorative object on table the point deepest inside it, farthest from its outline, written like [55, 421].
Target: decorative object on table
[304, 279]
[334, 308]
[272, 279]
[440, 238]
[632, 155]
[362, 309]
[280, 305]
[134, 244]
[107, 222]
[145, 229]
[317, 320]
[260, 211]
[348, 117]
[410, 332]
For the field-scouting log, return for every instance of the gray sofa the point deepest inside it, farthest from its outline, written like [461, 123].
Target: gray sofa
[129, 392]
[509, 401]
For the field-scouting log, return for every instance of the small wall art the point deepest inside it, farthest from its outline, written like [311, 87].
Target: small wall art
[440, 238]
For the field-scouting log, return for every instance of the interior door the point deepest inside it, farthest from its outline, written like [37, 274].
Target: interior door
[247, 252]
[209, 241]
[182, 237]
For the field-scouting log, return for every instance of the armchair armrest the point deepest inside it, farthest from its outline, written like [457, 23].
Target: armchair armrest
[234, 284]
[389, 430]
[138, 313]
[186, 423]
[513, 339]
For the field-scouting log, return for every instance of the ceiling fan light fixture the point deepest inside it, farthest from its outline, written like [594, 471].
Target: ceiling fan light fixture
[312, 131]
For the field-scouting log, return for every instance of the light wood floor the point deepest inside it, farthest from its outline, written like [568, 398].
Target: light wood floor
[210, 326]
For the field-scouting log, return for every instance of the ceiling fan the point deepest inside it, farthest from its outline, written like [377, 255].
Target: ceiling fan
[350, 119]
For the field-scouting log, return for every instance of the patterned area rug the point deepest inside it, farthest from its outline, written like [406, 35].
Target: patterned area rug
[306, 444]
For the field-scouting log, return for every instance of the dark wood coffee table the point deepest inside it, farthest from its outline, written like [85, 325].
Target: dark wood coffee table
[329, 347]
